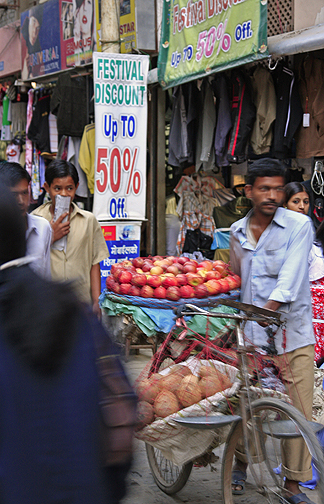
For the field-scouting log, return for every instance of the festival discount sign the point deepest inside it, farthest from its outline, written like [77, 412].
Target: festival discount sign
[204, 36]
[120, 93]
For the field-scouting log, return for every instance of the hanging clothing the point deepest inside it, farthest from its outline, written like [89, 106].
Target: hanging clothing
[289, 112]
[310, 140]
[69, 104]
[13, 153]
[226, 215]
[205, 152]
[224, 120]
[243, 117]
[53, 132]
[87, 155]
[264, 97]
[6, 134]
[38, 130]
[72, 155]
[18, 115]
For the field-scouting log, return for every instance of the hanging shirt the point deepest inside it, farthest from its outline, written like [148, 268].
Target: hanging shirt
[87, 154]
[277, 269]
[38, 130]
[264, 97]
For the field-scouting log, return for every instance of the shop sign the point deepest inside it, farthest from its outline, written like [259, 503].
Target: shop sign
[120, 93]
[78, 32]
[40, 40]
[123, 242]
[205, 36]
[127, 25]
[1, 66]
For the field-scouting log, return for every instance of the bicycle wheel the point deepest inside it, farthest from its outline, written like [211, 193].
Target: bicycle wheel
[168, 477]
[271, 422]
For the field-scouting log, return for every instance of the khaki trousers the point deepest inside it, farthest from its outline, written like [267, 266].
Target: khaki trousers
[297, 368]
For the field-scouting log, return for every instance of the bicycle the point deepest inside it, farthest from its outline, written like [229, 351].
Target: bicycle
[264, 423]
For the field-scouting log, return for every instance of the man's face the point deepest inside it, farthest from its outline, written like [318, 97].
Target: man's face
[64, 186]
[33, 29]
[21, 193]
[267, 194]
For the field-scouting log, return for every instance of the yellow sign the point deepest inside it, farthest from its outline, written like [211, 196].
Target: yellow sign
[127, 28]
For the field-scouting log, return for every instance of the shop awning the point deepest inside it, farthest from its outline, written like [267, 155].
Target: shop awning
[10, 59]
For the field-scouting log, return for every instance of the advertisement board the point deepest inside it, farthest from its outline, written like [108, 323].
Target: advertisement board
[78, 32]
[120, 93]
[40, 40]
[127, 25]
[123, 242]
[204, 36]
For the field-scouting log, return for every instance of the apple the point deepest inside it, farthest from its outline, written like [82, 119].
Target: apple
[179, 266]
[156, 270]
[194, 279]
[146, 291]
[134, 291]
[219, 266]
[233, 281]
[189, 267]
[127, 263]
[116, 288]
[154, 281]
[202, 272]
[139, 279]
[139, 270]
[207, 265]
[173, 293]
[172, 269]
[163, 264]
[159, 292]
[110, 281]
[223, 285]
[186, 291]
[168, 275]
[169, 281]
[182, 279]
[201, 291]
[182, 260]
[124, 288]
[138, 262]
[210, 275]
[116, 269]
[213, 287]
[124, 276]
[157, 258]
[147, 266]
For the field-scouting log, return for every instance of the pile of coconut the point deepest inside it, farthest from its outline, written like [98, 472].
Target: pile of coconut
[162, 395]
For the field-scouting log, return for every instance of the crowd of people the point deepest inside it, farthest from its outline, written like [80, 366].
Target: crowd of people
[50, 284]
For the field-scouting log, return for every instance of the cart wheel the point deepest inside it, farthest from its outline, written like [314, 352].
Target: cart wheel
[271, 423]
[168, 477]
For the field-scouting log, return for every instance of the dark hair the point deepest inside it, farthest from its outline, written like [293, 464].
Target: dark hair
[38, 318]
[294, 188]
[60, 169]
[266, 167]
[37, 12]
[13, 173]
[12, 228]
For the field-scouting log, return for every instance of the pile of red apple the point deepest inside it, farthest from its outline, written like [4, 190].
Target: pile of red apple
[171, 278]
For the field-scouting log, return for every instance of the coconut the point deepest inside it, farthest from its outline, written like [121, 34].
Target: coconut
[155, 378]
[170, 382]
[190, 380]
[165, 404]
[145, 414]
[210, 385]
[189, 393]
[181, 370]
[147, 390]
[207, 371]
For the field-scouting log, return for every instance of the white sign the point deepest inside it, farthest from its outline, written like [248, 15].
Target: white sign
[120, 93]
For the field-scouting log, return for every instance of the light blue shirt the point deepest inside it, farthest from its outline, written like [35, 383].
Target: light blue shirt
[277, 269]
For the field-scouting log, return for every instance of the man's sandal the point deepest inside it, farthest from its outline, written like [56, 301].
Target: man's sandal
[238, 480]
[297, 499]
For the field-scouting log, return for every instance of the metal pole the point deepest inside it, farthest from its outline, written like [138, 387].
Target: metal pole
[110, 10]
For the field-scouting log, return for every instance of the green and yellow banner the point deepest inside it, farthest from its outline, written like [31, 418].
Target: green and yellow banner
[206, 36]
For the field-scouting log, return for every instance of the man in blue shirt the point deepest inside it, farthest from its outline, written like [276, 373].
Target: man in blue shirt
[269, 249]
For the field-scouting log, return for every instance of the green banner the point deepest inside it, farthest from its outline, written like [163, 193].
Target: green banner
[207, 36]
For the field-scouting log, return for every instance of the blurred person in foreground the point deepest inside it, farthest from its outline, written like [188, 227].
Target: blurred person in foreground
[38, 229]
[269, 249]
[49, 385]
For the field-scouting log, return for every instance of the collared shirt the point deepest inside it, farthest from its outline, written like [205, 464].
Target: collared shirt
[277, 269]
[316, 263]
[85, 247]
[38, 244]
